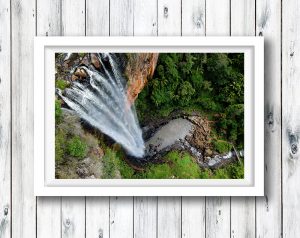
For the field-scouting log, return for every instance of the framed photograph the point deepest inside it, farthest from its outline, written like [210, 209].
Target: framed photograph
[149, 116]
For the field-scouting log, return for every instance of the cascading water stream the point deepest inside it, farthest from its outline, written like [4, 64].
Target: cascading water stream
[103, 103]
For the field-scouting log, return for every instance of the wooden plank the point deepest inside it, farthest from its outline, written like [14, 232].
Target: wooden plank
[193, 217]
[48, 208]
[193, 208]
[97, 217]
[242, 18]
[48, 217]
[145, 18]
[218, 208]
[73, 17]
[97, 208]
[145, 208]
[121, 17]
[73, 208]
[169, 208]
[48, 19]
[73, 217]
[217, 217]
[242, 217]
[193, 18]
[5, 121]
[97, 18]
[242, 208]
[218, 17]
[169, 17]
[145, 217]
[268, 208]
[169, 217]
[23, 200]
[290, 117]
[121, 217]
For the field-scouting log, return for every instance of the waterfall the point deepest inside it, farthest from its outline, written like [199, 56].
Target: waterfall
[103, 104]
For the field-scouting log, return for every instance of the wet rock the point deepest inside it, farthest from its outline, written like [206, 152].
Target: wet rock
[168, 135]
[74, 77]
[220, 160]
[95, 61]
[80, 73]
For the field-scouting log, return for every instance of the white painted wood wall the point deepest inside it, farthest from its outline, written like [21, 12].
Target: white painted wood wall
[275, 215]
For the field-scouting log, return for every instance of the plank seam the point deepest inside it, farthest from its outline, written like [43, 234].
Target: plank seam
[281, 124]
[36, 205]
[133, 198]
[109, 217]
[11, 109]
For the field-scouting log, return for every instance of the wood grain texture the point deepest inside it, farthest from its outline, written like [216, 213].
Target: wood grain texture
[193, 217]
[290, 117]
[5, 120]
[193, 18]
[48, 19]
[73, 217]
[23, 16]
[73, 17]
[169, 17]
[97, 217]
[218, 208]
[217, 217]
[97, 18]
[242, 217]
[218, 17]
[268, 208]
[121, 217]
[145, 18]
[48, 23]
[48, 223]
[121, 17]
[145, 217]
[242, 17]
[169, 217]
[242, 208]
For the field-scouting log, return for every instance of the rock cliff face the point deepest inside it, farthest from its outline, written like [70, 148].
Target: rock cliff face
[139, 68]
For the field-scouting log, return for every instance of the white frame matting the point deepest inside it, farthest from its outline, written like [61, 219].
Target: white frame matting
[45, 183]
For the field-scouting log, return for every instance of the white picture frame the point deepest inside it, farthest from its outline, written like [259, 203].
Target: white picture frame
[45, 183]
